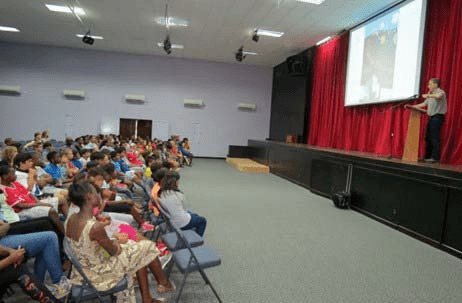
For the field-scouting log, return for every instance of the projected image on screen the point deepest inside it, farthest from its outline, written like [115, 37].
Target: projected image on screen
[379, 56]
[384, 58]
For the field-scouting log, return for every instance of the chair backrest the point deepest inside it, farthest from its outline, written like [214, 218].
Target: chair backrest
[166, 217]
[175, 229]
[76, 264]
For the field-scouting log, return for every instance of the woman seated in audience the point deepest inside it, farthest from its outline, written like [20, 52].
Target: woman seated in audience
[23, 202]
[173, 201]
[90, 244]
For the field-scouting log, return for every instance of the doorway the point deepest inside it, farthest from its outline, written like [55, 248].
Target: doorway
[130, 128]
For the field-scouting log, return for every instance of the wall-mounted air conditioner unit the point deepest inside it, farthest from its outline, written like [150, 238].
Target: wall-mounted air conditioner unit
[135, 98]
[193, 102]
[74, 94]
[10, 89]
[247, 106]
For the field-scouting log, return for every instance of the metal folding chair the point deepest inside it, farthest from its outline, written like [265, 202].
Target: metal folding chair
[170, 237]
[191, 259]
[87, 291]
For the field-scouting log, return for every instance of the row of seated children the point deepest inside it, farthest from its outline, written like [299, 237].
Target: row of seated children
[172, 149]
[100, 172]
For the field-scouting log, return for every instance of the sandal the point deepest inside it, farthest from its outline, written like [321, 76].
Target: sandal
[161, 289]
[32, 290]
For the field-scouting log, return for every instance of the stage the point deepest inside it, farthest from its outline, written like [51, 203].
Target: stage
[421, 199]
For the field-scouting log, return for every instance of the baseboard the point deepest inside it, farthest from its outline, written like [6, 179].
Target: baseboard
[213, 158]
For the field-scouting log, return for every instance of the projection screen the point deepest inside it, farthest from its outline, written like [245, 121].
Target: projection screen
[385, 56]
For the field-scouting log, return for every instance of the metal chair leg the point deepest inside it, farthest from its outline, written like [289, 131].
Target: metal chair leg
[181, 288]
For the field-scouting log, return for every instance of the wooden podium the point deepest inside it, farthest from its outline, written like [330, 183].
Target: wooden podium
[411, 147]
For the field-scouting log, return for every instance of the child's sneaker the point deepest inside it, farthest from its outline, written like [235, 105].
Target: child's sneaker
[60, 289]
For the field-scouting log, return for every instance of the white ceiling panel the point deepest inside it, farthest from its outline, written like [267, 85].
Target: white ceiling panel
[217, 28]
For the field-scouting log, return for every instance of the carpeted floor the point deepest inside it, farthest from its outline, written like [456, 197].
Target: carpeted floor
[281, 243]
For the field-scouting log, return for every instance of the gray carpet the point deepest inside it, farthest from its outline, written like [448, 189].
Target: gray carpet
[281, 243]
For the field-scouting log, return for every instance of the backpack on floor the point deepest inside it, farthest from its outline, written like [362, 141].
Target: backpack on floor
[342, 199]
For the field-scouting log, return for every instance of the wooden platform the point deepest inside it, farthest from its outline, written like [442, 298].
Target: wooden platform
[247, 165]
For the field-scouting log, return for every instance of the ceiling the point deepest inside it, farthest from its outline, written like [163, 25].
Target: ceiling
[217, 28]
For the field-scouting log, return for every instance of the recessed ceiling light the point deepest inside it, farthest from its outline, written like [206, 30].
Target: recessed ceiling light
[250, 53]
[65, 9]
[172, 21]
[312, 1]
[9, 29]
[324, 40]
[92, 36]
[177, 46]
[264, 32]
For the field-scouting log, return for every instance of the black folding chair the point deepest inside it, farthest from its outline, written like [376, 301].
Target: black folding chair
[87, 291]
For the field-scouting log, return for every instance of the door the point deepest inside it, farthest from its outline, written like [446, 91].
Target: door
[144, 129]
[133, 128]
[127, 128]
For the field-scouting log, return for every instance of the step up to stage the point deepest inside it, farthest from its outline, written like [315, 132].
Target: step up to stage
[247, 165]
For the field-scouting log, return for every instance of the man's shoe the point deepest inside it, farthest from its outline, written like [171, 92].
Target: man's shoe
[431, 160]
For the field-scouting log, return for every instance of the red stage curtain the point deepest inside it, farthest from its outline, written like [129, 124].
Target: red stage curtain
[381, 129]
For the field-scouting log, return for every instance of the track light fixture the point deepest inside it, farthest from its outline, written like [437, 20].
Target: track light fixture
[87, 39]
[255, 36]
[167, 45]
[240, 54]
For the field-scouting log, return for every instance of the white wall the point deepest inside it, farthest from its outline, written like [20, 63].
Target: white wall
[43, 72]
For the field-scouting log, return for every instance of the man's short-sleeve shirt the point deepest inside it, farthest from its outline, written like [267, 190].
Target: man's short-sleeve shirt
[435, 106]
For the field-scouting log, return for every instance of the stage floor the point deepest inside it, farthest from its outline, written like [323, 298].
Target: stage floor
[421, 163]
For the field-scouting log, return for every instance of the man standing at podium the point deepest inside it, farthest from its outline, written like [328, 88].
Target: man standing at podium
[436, 104]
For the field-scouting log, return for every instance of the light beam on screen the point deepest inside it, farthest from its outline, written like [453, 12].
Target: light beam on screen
[385, 56]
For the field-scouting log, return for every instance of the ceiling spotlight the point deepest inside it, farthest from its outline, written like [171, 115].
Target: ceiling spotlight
[264, 32]
[174, 46]
[255, 36]
[240, 54]
[87, 39]
[92, 36]
[167, 45]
